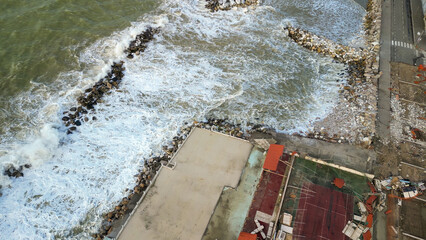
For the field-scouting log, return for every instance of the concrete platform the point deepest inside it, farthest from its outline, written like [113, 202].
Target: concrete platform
[231, 210]
[181, 201]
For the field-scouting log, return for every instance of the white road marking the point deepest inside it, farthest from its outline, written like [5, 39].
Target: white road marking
[403, 44]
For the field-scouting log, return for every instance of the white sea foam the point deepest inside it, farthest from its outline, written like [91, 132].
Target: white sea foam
[236, 64]
[335, 19]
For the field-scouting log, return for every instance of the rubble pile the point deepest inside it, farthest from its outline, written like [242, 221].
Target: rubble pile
[74, 117]
[392, 187]
[216, 5]
[153, 164]
[404, 117]
[408, 123]
[399, 187]
[353, 118]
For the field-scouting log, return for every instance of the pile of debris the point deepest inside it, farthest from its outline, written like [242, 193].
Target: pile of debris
[354, 231]
[394, 187]
[400, 188]
[286, 231]
[363, 223]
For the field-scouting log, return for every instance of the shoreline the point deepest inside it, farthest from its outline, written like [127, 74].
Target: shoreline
[75, 117]
[353, 119]
[363, 74]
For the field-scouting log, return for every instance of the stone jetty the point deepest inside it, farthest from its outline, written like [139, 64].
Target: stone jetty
[325, 46]
[216, 5]
[353, 120]
[74, 117]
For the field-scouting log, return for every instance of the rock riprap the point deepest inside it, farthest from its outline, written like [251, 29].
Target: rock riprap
[74, 117]
[216, 5]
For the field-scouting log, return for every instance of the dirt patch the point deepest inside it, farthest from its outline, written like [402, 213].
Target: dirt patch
[413, 217]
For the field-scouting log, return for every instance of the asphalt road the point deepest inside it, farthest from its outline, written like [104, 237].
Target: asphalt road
[401, 21]
[402, 37]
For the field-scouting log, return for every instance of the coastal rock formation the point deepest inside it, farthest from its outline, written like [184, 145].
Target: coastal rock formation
[216, 5]
[353, 119]
[325, 46]
[12, 171]
[93, 95]
[139, 45]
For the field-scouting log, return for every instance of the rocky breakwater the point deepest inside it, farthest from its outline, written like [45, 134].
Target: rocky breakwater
[74, 117]
[216, 5]
[115, 218]
[353, 118]
[15, 172]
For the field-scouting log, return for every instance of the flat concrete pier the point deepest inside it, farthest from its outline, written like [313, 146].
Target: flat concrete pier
[181, 201]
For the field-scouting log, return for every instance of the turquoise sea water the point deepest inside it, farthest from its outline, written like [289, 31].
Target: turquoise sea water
[236, 64]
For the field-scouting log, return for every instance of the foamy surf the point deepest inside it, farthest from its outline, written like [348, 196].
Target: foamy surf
[236, 64]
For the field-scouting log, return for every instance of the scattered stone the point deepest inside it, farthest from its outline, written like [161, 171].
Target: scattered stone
[216, 5]
[13, 172]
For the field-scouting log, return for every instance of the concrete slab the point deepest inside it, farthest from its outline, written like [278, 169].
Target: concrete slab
[181, 201]
[231, 210]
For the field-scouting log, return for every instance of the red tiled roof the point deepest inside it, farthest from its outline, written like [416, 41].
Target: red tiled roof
[338, 182]
[247, 236]
[371, 199]
[371, 187]
[275, 151]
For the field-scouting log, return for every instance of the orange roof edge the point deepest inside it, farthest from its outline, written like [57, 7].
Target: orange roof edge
[247, 236]
[275, 151]
[371, 199]
[366, 235]
[370, 220]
